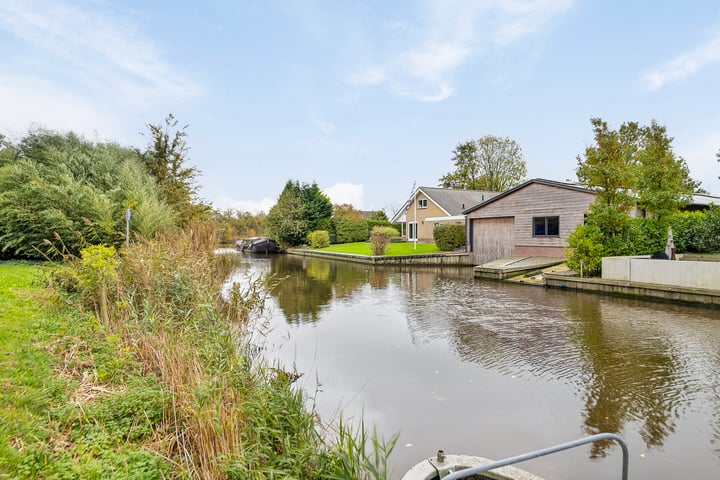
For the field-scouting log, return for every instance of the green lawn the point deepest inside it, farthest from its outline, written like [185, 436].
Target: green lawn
[393, 250]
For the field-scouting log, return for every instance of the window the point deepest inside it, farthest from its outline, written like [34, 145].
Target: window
[546, 226]
[422, 202]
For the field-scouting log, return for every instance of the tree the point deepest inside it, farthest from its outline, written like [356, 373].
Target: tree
[628, 167]
[165, 158]
[664, 183]
[299, 210]
[489, 163]
[609, 169]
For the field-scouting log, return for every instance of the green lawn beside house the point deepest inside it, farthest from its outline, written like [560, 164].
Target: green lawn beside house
[393, 250]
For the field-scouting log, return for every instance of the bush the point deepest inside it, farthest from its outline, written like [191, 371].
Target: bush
[449, 236]
[319, 239]
[348, 230]
[585, 251]
[380, 238]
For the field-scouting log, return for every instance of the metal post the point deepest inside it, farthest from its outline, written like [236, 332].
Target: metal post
[127, 227]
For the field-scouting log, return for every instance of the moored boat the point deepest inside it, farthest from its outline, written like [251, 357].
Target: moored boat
[455, 467]
[257, 245]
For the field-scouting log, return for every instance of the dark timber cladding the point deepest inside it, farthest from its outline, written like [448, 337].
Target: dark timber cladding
[534, 218]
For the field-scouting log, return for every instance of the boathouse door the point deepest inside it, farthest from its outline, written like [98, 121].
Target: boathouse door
[493, 238]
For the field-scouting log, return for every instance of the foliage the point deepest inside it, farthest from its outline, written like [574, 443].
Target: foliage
[171, 387]
[380, 238]
[59, 193]
[664, 183]
[488, 163]
[697, 232]
[449, 236]
[299, 210]
[233, 224]
[165, 158]
[349, 224]
[379, 216]
[354, 461]
[348, 230]
[319, 239]
[585, 251]
[628, 167]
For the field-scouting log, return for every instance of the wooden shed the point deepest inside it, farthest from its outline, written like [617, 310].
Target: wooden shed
[534, 218]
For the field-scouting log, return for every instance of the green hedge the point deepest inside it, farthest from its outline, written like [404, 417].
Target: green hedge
[348, 230]
[449, 236]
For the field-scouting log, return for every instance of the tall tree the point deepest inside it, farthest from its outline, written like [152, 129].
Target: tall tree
[609, 169]
[165, 157]
[300, 209]
[664, 183]
[488, 163]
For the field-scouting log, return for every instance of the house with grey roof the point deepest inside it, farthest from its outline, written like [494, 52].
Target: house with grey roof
[429, 207]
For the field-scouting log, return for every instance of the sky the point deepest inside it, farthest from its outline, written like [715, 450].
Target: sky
[368, 99]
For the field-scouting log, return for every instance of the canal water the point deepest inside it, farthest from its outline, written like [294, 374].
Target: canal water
[497, 369]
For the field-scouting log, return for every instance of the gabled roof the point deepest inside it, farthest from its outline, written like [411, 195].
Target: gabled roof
[450, 200]
[551, 183]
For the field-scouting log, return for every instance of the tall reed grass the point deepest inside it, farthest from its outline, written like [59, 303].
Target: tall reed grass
[224, 414]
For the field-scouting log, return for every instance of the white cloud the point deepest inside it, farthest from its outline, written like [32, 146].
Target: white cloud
[342, 193]
[454, 32]
[93, 50]
[684, 66]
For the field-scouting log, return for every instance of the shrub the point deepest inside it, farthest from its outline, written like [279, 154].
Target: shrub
[449, 236]
[380, 238]
[319, 239]
[350, 230]
[585, 250]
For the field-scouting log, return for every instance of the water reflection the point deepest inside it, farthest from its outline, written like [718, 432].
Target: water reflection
[308, 284]
[641, 370]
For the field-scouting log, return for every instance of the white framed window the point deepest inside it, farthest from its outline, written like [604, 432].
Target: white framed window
[422, 203]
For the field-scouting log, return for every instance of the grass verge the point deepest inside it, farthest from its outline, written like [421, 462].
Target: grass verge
[139, 368]
[393, 249]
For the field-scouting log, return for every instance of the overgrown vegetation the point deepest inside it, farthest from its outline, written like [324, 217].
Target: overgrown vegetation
[449, 236]
[145, 370]
[60, 193]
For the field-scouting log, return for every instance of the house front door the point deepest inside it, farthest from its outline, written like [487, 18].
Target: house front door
[412, 231]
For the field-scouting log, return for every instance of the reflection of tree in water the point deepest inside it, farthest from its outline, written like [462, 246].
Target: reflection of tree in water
[308, 284]
[631, 372]
[627, 371]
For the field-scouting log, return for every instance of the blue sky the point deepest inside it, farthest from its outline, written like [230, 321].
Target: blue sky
[365, 98]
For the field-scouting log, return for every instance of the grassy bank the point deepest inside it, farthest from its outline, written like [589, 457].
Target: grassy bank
[393, 249]
[137, 367]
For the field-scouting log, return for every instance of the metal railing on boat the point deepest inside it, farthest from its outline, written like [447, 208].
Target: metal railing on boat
[545, 451]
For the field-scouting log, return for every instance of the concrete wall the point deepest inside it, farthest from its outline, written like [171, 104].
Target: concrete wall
[662, 272]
